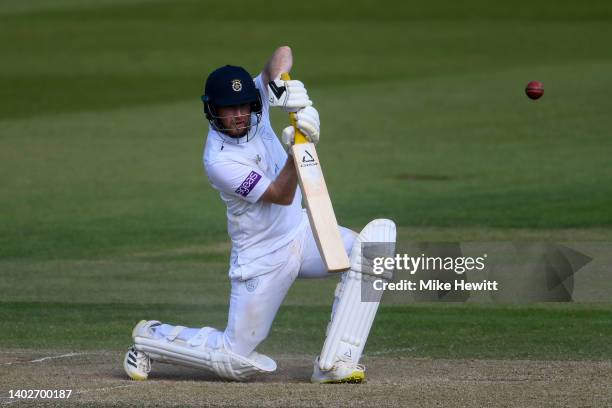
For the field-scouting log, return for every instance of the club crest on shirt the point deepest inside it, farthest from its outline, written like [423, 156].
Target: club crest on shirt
[251, 284]
[236, 85]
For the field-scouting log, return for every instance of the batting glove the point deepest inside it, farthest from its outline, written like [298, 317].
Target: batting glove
[307, 120]
[289, 95]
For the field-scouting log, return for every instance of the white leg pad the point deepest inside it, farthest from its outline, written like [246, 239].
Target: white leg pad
[196, 353]
[352, 319]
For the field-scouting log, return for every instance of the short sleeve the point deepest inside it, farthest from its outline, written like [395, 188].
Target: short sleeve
[237, 179]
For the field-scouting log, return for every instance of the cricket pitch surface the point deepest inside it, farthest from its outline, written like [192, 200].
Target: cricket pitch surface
[97, 379]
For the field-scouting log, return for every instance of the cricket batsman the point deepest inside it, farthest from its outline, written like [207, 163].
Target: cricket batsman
[272, 240]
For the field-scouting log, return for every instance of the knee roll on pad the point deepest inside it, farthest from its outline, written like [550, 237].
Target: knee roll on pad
[352, 319]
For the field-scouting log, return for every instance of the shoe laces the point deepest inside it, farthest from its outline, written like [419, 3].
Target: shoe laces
[143, 361]
[350, 364]
[147, 365]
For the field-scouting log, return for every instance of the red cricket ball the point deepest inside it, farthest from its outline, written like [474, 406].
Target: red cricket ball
[534, 89]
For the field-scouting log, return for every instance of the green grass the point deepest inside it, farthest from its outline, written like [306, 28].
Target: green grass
[459, 331]
[106, 216]
[94, 305]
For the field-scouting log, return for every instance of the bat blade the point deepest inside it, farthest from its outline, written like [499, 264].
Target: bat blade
[319, 207]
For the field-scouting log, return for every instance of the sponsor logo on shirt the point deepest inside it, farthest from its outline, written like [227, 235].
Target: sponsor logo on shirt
[248, 184]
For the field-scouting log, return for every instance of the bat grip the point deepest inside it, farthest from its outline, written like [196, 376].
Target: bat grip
[299, 136]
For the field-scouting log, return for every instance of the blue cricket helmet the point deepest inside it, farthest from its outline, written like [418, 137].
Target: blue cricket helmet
[227, 86]
[230, 85]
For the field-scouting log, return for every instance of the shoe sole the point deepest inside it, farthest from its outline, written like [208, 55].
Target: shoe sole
[132, 375]
[355, 378]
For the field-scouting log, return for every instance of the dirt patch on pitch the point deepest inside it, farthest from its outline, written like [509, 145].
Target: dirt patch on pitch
[97, 378]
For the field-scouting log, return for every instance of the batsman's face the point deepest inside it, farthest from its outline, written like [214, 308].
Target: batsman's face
[235, 119]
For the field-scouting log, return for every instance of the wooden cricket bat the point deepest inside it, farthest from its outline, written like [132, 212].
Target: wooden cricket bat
[318, 204]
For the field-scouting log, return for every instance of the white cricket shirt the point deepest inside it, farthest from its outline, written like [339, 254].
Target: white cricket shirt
[241, 170]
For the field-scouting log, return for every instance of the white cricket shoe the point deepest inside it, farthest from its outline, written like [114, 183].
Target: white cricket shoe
[342, 372]
[136, 364]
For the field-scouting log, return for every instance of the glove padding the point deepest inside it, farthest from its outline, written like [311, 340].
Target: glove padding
[307, 120]
[289, 95]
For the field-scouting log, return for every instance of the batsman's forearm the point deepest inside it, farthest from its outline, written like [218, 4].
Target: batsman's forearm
[287, 181]
[281, 61]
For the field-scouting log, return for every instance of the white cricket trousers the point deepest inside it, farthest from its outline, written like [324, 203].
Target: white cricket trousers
[255, 302]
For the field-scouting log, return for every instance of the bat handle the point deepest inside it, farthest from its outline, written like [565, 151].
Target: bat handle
[299, 136]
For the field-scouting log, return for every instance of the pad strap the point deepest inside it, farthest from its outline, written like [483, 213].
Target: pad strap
[201, 337]
[174, 333]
